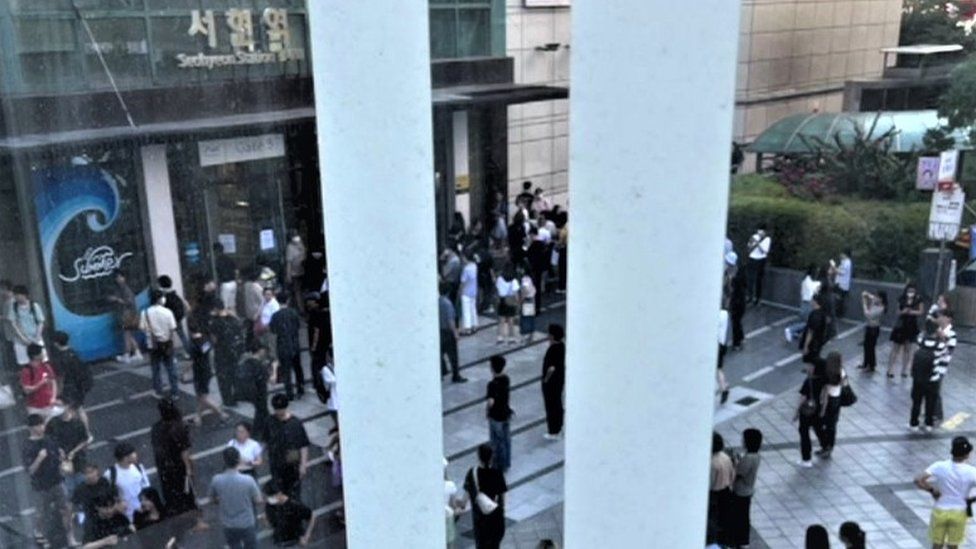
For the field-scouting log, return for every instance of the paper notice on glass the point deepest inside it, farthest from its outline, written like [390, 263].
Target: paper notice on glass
[267, 240]
[229, 242]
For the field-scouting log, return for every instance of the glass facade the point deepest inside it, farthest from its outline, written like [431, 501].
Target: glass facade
[467, 28]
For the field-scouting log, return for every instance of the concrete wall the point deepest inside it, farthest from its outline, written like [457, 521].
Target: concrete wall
[795, 55]
[538, 135]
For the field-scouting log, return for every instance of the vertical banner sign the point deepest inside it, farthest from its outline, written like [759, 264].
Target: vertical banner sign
[928, 173]
[946, 214]
[948, 165]
[89, 230]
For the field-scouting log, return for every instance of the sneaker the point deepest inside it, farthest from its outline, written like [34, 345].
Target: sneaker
[725, 396]
[550, 436]
[136, 357]
[927, 428]
[913, 428]
[124, 359]
[805, 464]
[788, 334]
[823, 454]
[459, 379]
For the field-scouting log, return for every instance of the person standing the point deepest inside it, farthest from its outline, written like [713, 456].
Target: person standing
[39, 385]
[723, 347]
[26, 321]
[201, 347]
[124, 300]
[834, 379]
[292, 522]
[927, 372]
[737, 306]
[523, 201]
[178, 306]
[251, 383]
[720, 490]
[227, 335]
[562, 248]
[159, 325]
[489, 525]
[287, 447]
[527, 295]
[249, 449]
[951, 484]
[553, 381]
[815, 334]
[285, 325]
[507, 289]
[758, 250]
[499, 413]
[808, 289]
[236, 495]
[843, 275]
[151, 510]
[517, 235]
[469, 297]
[905, 332]
[808, 411]
[268, 310]
[76, 376]
[743, 488]
[171, 445]
[73, 438]
[127, 476]
[93, 488]
[42, 461]
[253, 303]
[539, 255]
[874, 307]
[295, 255]
[226, 276]
[451, 273]
[447, 318]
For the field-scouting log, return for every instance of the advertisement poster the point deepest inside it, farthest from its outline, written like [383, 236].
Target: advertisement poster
[89, 229]
[928, 173]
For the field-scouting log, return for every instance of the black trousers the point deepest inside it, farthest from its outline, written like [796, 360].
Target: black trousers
[740, 522]
[871, 334]
[288, 479]
[806, 445]
[292, 363]
[553, 398]
[261, 412]
[840, 306]
[224, 363]
[449, 347]
[828, 423]
[927, 392]
[735, 315]
[562, 267]
[756, 274]
[537, 281]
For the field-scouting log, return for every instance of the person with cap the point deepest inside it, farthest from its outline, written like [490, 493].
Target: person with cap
[287, 447]
[950, 482]
[553, 381]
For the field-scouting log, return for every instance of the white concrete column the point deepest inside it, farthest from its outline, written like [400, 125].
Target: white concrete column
[162, 224]
[371, 65]
[651, 102]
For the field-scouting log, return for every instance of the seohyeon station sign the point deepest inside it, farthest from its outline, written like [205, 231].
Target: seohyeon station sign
[240, 24]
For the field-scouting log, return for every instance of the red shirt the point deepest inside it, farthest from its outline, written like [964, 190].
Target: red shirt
[30, 375]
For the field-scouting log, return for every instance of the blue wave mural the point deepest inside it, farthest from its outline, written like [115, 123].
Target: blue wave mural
[62, 196]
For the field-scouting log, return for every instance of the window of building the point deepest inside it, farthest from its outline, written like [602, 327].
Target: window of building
[466, 28]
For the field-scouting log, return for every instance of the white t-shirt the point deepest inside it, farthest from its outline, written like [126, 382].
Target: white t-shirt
[268, 310]
[250, 451]
[844, 272]
[506, 288]
[761, 250]
[954, 480]
[329, 378]
[808, 288]
[130, 481]
[160, 321]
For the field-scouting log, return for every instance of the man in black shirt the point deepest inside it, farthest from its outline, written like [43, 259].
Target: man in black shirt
[285, 325]
[251, 384]
[525, 198]
[71, 435]
[925, 379]
[499, 413]
[226, 276]
[815, 333]
[94, 487]
[287, 447]
[42, 460]
[109, 524]
[553, 380]
[287, 516]
[227, 334]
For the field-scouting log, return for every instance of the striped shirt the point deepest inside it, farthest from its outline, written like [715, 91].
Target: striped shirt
[942, 354]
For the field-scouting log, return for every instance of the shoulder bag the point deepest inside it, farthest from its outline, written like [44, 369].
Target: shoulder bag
[485, 504]
[847, 395]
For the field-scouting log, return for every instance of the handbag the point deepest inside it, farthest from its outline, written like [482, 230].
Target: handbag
[847, 396]
[485, 504]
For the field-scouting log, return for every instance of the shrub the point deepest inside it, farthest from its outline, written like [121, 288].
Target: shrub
[885, 237]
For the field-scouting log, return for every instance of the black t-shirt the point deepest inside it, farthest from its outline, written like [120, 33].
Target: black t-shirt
[169, 440]
[142, 519]
[811, 388]
[555, 358]
[498, 390]
[288, 520]
[226, 269]
[86, 495]
[77, 376]
[117, 525]
[320, 320]
[284, 439]
[228, 335]
[817, 327]
[68, 435]
[490, 481]
[285, 325]
[48, 474]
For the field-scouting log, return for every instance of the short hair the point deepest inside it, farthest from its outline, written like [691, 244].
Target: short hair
[497, 363]
[817, 537]
[232, 458]
[218, 247]
[168, 411]
[34, 420]
[485, 454]
[762, 226]
[122, 449]
[718, 443]
[557, 332]
[20, 290]
[155, 296]
[752, 440]
[61, 338]
[961, 447]
[165, 282]
[526, 185]
[246, 425]
[283, 297]
[34, 350]
[272, 487]
[279, 402]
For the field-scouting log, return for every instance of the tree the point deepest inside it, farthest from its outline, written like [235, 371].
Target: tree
[958, 104]
[938, 22]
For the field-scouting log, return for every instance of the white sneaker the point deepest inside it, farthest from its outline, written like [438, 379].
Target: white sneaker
[550, 436]
[927, 428]
[805, 464]
[913, 428]
[124, 359]
[788, 334]
[137, 357]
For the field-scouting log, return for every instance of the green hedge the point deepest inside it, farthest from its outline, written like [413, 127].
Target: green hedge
[885, 237]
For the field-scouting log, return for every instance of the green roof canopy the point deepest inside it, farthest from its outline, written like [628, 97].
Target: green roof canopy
[793, 133]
